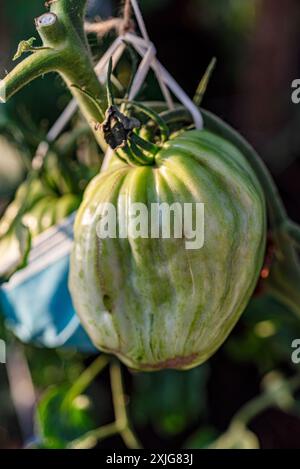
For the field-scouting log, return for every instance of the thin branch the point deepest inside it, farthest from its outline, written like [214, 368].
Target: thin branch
[86, 378]
[238, 430]
[34, 66]
[119, 403]
[90, 439]
[267, 399]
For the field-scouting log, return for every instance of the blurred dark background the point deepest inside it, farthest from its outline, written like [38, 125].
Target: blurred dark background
[257, 46]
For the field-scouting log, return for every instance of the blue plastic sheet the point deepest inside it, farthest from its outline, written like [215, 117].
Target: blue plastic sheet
[36, 301]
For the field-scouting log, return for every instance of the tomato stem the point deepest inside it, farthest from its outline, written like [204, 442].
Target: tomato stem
[121, 425]
[155, 117]
[85, 379]
[282, 391]
[267, 399]
[119, 402]
[90, 439]
[64, 50]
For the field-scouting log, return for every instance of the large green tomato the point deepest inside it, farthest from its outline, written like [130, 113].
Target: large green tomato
[152, 302]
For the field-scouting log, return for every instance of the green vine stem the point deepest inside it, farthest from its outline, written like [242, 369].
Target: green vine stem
[277, 395]
[121, 425]
[119, 401]
[90, 439]
[270, 397]
[65, 51]
[257, 405]
[151, 114]
[85, 379]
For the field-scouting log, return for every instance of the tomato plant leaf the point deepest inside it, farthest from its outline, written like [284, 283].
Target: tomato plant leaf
[14, 250]
[59, 424]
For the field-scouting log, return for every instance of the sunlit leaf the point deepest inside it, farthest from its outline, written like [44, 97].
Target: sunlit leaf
[59, 424]
[14, 250]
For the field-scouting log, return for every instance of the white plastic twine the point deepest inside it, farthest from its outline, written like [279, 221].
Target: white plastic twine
[146, 49]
